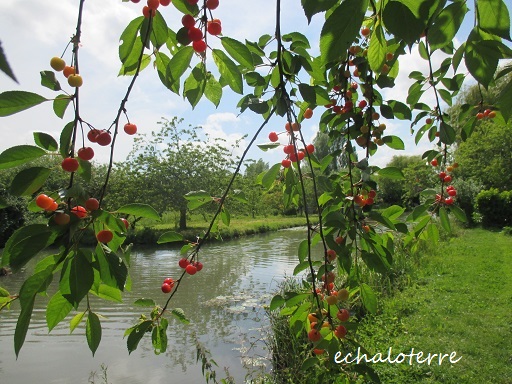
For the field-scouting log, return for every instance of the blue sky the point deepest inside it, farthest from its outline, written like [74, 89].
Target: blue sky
[41, 29]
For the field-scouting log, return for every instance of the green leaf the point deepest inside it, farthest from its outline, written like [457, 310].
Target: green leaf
[169, 237]
[505, 101]
[228, 70]
[445, 221]
[65, 138]
[393, 142]
[77, 278]
[446, 25]
[107, 292]
[159, 31]
[340, 29]
[225, 217]
[377, 49]
[4, 292]
[140, 210]
[45, 141]
[447, 133]
[12, 102]
[75, 321]
[49, 80]
[493, 17]
[185, 7]
[303, 250]
[312, 7]
[145, 303]
[22, 325]
[459, 214]
[29, 181]
[113, 270]
[213, 90]
[400, 110]
[180, 315]
[391, 173]
[368, 297]
[25, 243]
[159, 337]
[4, 65]
[137, 334]
[401, 21]
[19, 154]
[481, 58]
[195, 84]
[57, 309]
[266, 146]
[238, 51]
[128, 38]
[93, 331]
[276, 302]
[270, 176]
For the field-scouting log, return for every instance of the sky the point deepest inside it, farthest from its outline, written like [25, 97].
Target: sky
[41, 29]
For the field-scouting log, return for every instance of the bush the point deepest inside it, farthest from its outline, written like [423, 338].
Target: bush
[495, 207]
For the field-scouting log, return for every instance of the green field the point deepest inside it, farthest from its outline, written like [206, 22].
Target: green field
[460, 301]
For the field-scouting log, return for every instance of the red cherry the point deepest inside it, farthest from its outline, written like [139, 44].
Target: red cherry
[449, 200]
[199, 46]
[310, 148]
[214, 28]
[362, 104]
[183, 262]
[191, 269]
[442, 175]
[301, 155]
[165, 3]
[195, 34]
[452, 192]
[286, 163]
[43, 201]
[166, 288]
[130, 129]
[105, 236]
[273, 137]
[343, 315]
[212, 4]
[188, 21]
[340, 331]
[92, 204]
[153, 4]
[85, 153]
[447, 179]
[92, 135]
[288, 149]
[314, 335]
[169, 281]
[104, 138]
[79, 211]
[70, 164]
[434, 163]
[148, 12]
[198, 265]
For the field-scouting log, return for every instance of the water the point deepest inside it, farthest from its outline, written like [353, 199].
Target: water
[223, 301]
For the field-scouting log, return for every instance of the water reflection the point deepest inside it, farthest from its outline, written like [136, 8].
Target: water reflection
[224, 303]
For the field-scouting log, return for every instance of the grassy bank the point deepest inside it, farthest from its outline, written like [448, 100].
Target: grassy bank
[148, 233]
[459, 301]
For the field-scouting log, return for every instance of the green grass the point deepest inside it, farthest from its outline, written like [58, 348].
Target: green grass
[460, 300]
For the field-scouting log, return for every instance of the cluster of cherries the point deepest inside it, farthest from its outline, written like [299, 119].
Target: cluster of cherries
[168, 285]
[49, 204]
[190, 267]
[195, 34]
[69, 72]
[293, 154]
[488, 113]
[446, 178]
[365, 198]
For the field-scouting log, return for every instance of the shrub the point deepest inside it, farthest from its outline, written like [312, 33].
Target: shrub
[495, 207]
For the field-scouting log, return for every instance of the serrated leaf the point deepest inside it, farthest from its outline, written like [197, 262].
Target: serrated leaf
[180, 315]
[194, 86]
[145, 303]
[270, 176]
[49, 80]
[377, 49]
[340, 29]
[45, 141]
[445, 220]
[368, 297]
[228, 70]
[213, 90]
[128, 38]
[312, 7]
[238, 51]
[140, 210]
[394, 142]
[4, 65]
[391, 173]
[93, 331]
[400, 110]
[29, 181]
[19, 154]
[303, 250]
[75, 321]
[493, 17]
[77, 278]
[185, 7]
[446, 25]
[459, 214]
[169, 237]
[57, 309]
[22, 325]
[12, 102]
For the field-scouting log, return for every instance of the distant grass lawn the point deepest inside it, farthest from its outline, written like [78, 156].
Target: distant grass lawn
[461, 301]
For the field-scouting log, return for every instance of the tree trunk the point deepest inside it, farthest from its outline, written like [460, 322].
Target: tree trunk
[183, 218]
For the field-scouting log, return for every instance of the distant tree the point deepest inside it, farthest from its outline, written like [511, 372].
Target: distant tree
[166, 165]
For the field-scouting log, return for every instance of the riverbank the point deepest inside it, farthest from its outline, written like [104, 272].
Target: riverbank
[459, 301]
[239, 227]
